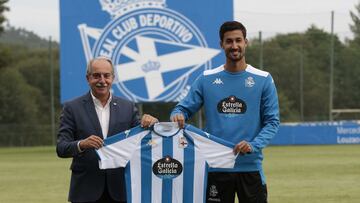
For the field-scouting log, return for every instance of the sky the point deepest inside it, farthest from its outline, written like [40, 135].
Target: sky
[268, 16]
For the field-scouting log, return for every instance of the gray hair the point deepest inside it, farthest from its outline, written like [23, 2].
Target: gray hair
[89, 65]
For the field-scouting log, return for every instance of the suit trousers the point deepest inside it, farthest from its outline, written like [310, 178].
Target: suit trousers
[105, 197]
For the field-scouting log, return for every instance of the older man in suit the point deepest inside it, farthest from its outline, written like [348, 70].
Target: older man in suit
[84, 123]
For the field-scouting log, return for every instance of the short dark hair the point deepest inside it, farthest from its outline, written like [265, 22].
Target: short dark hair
[230, 26]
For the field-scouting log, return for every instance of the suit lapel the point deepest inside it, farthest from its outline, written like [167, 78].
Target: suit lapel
[114, 110]
[90, 109]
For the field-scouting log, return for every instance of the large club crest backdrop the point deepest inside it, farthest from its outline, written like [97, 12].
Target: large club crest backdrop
[158, 47]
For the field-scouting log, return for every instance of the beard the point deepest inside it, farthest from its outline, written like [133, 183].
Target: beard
[235, 55]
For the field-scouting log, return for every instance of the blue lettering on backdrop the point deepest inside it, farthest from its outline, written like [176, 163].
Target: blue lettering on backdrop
[159, 47]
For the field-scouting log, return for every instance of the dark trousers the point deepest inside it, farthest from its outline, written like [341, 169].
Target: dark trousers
[222, 187]
[105, 198]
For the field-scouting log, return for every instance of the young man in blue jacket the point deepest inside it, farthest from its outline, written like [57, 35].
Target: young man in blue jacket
[241, 106]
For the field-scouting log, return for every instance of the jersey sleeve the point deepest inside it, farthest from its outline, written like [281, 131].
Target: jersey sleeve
[269, 116]
[192, 102]
[217, 152]
[118, 149]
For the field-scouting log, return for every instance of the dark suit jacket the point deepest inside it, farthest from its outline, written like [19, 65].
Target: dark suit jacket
[78, 121]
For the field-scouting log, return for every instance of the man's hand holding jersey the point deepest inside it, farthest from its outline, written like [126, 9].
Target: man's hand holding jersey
[96, 142]
[179, 118]
[242, 148]
[148, 120]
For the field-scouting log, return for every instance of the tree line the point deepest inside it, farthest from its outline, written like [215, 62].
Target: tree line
[300, 66]
[299, 63]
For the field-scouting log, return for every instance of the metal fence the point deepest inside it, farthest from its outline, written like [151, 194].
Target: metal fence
[25, 135]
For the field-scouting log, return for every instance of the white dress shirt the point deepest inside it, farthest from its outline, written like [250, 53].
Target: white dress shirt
[103, 113]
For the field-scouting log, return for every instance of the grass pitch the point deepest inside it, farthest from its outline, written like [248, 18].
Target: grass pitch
[313, 174]
[33, 175]
[295, 174]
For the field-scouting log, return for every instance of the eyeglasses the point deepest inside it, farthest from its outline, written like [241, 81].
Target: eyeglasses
[99, 75]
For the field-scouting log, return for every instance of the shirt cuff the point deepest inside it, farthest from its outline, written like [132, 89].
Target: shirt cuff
[78, 146]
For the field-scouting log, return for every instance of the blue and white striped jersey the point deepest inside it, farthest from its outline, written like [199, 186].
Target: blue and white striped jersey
[166, 164]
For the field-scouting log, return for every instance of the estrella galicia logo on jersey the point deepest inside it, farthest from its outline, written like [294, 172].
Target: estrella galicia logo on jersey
[154, 49]
[167, 168]
[231, 105]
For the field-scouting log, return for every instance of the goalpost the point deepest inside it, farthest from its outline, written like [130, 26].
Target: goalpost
[336, 112]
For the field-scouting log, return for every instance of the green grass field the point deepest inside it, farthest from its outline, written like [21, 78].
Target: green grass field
[311, 174]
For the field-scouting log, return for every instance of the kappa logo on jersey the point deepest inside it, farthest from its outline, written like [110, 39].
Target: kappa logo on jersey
[218, 81]
[167, 168]
[152, 143]
[154, 49]
[127, 132]
[249, 82]
[231, 105]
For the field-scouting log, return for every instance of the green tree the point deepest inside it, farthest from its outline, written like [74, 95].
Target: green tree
[25, 93]
[284, 56]
[3, 8]
[18, 109]
[347, 71]
[355, 27]
[35, 68]
[18, 103]
[5, 57]
[347, 80]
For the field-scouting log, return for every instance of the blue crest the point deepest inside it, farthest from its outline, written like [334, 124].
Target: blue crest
[158, 47]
